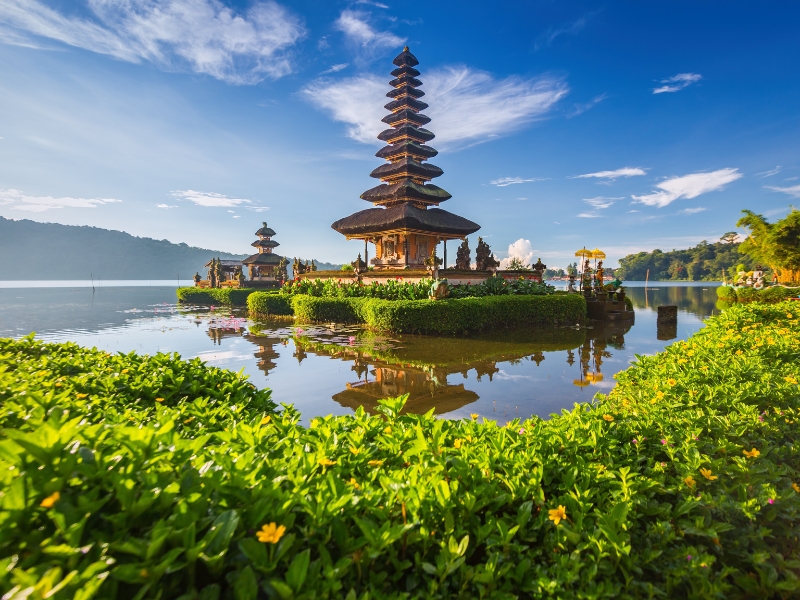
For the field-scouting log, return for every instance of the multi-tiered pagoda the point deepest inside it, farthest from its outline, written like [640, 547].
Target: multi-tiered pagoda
[264, 265]
[405, 227]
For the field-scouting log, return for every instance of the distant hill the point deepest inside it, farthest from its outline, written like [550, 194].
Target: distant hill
[32, 250]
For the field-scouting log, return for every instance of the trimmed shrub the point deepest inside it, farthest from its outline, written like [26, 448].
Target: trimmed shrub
[726, 293]
[770, 295]
[138, 477]
[265, 304]
[443, 316]
[224, 296]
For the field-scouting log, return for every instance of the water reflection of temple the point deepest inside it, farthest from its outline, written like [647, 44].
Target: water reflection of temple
[217, 334]
[594, 349]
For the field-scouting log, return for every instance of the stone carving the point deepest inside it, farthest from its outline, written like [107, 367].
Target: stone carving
[298, 268]
[313, 265]
[462, 256]
[439, 290]
[538, 270]
[197, 279]
[281, 274]
[484, 261]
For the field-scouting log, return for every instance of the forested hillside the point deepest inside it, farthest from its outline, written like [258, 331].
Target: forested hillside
[31, 250]
[704, 262]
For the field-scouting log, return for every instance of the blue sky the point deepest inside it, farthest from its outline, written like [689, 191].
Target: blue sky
[626, 126]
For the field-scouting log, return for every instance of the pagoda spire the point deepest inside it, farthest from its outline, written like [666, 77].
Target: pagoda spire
[405, 178]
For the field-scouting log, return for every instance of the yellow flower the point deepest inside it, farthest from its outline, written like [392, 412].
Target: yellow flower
[659, 394]
[189, 420]
[790, 379]
[325, 462]
[457, 443]
[707, 474]
[796, 488]
[124, 370]
[671, 382]
[556, 514]
[159, 399]
[690, 353]
[314, 423]
[354, 483]
[59, 384]
[739, 353]
[270, 534]
[473, 416]
[752, 453]
[81, 396]
[469, 439]
[608, 418]
[388, 430]
[354, 450]
[689, 480]
[50, 500]
[266, 420]
[375, 463]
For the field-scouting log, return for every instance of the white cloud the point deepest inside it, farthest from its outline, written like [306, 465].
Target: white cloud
[467, 106]
[335, 68]
[165, 206]
[793, 191]
[770, 173]
[600, 202]
[692, 211]
[210, 199]
[237, 216]
[612, 175]
[588, 215]
[678, 82]
[688, 186]
[521, 249]
[579, 109]
[17, 200]
[204, 36]
[547, 38]
[504, 181]
[354, 25]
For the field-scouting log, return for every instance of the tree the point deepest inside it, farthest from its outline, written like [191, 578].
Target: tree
[516, 264]
[729, 238]
[775, 244]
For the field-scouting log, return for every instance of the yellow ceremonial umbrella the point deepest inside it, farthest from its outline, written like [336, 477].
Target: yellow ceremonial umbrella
[597, 253]
[584, 253]
[580, 382]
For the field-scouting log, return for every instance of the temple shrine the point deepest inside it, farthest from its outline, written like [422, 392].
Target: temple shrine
[406, 226]
[265, 266]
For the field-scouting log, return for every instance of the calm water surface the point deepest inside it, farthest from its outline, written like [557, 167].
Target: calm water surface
[335, 369]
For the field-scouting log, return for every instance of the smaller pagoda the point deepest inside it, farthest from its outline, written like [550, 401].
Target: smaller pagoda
[265, 266]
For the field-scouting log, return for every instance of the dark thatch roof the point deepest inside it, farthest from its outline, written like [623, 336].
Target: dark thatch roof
[406, 115]
[262, 259]
[265, 231]
[265, 244]
[405, 216]
[405, 80]
[406, 189]
[405, 102]
[405, 71]
[417, 133]
[227, 264]
[405, 90]
[407, 167]
[405, 59]
[409, 148]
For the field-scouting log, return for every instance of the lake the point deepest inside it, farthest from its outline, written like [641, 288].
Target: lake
[334, 369]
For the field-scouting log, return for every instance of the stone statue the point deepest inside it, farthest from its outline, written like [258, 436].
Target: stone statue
[462, 256]
[218, 272]
[212, 273]
[484, 261]
[439, 290]
[432, 263]
[298, 268]
[313, 265]
[281, 274]
[598, 276]
[238, 275]
[571, 285]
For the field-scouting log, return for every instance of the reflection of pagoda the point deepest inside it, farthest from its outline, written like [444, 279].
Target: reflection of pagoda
[264, 264]
[405, 229]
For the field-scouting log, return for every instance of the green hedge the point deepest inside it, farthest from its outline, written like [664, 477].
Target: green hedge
[128, 476]
[443, 316]
[225, 296]
[771, 294]
[266, 304]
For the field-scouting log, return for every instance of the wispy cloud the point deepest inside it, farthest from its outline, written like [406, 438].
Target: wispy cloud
[589, 215]
[18, 200]
[215, 200]
[467, 106]
[677, 83]
[504, 181]
[692, 211]
[371, 3]
[770, 173]
[203, 36]
[688, 186]
[793, 191]
[356, 27]
[166, 206]
[335, 68]
[548, 36]
[579, 109]
[612, 175]
[601, 202]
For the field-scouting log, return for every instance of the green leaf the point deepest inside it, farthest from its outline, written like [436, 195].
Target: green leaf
[246, 586]
[296, 575]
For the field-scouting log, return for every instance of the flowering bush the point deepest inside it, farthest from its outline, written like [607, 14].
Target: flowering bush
[127, 476]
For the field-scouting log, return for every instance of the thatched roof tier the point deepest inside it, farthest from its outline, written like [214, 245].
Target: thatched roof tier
[405, 80]
[406, 167]
[410, 71]
[265, 231]
[406, 116]
[409, 148]
[406, 102]
[406, 190]
[265, 244]
[264, 258]
[406, 131]
[405, 90]
[405, 59]
[405, 217]
[227, 264]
